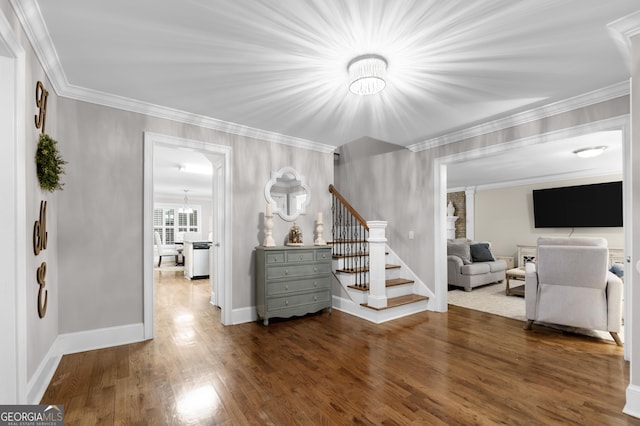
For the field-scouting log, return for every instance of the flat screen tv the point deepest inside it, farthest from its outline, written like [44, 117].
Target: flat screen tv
[583, 206]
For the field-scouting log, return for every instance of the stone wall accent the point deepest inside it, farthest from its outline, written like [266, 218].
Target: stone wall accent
[459, 201]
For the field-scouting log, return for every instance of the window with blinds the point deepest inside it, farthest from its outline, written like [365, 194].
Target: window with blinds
[170, 223]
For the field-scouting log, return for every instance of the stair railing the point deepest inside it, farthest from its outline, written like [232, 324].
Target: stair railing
[350, 234]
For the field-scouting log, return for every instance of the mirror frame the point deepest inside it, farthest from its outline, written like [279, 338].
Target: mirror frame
[275, 208]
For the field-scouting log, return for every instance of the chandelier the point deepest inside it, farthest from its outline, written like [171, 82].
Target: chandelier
[366, 74]
[185, 208]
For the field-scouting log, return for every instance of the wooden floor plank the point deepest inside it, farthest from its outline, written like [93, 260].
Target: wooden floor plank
[461, 367]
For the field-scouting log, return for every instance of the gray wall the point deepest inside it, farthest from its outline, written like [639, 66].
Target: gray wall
[101, 260]
[398, 186]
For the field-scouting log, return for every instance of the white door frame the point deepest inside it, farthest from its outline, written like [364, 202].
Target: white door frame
[223, 273]
[439, 276]
[13, 251]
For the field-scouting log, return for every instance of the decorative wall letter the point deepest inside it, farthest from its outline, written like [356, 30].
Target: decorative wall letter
[41, 103]
[40, 230]
[42, 307]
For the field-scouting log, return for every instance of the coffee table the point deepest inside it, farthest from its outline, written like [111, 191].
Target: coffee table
[514, 274]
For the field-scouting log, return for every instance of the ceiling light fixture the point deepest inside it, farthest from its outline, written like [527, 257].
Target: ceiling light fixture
[590, 152]
[185, 208]
[367, 74]
[197, 169]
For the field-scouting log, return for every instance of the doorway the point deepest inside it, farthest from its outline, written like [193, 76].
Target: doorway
[13, 254]
[221, 222]
[440, 193]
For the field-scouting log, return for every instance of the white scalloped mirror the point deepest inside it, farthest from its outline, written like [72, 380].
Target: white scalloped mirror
[288, 193]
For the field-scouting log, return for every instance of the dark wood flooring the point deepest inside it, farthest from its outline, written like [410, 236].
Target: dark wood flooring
[462, 367]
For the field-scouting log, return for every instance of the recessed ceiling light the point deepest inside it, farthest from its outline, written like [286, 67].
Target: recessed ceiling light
[367, 74]
[590, 152]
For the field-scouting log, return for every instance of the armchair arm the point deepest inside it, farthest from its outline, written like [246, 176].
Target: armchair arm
[614, 302]
[454, 263]
[530, 290]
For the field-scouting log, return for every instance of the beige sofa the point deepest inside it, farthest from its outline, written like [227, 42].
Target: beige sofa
[471, 264]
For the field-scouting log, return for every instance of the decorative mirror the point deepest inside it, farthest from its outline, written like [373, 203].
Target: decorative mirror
[288, 193]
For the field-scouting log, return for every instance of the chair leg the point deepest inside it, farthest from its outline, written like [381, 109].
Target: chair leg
[528, 325]
[616, 338]
[159, 260]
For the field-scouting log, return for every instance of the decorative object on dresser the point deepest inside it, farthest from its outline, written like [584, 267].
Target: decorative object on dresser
[292, 281]
[268, 227]
[295, 236]
[319, 241]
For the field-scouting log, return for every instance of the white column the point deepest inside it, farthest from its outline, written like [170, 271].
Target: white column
[377, 272]
[628, 30]
[451, 227]
[470, 206]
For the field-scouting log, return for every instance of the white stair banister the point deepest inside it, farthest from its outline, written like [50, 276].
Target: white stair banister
[377, 276]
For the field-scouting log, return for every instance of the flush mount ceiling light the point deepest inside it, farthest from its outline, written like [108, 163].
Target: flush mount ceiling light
[590, 152]
[366, 74]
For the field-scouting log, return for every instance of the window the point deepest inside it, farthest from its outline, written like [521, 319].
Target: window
[171, 224]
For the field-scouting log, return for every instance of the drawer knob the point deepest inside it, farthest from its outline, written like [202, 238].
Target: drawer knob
[315, 269]
[286, 302]
[315, 284]
[315, 298]
[286, 287]
[300, 257]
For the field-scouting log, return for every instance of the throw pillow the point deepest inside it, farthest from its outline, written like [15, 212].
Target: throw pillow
[461, 250]
[481, 253]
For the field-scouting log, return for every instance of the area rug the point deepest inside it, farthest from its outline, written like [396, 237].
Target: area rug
[492, 299]
[489, 298]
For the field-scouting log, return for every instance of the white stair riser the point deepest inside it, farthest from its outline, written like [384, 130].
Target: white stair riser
[399, 290]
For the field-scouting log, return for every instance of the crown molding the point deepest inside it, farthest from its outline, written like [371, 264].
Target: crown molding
[626, 28]
[580, 101]
[34, 26]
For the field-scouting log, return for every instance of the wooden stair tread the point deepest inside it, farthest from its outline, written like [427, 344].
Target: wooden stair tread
[398, 301]
[365, 269]
[388, 283]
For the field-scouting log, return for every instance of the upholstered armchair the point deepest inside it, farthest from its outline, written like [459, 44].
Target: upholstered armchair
[163, 251]
[570, 284]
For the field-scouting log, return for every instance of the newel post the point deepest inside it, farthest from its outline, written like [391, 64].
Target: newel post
[377, 273]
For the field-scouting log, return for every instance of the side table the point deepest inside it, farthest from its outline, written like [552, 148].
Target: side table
[514, 274]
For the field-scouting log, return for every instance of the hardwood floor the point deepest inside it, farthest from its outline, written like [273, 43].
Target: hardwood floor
[463, 367]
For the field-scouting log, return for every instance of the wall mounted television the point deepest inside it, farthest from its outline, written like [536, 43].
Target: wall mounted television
[582, 206]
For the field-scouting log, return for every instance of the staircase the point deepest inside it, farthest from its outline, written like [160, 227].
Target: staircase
[375, 284]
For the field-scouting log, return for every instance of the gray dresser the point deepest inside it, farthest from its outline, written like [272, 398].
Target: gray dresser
[292, 281]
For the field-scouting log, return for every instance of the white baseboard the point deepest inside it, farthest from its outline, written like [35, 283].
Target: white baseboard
[632, 407]
[78, 342]
[43, 375]
[242, 315]
[81, 341]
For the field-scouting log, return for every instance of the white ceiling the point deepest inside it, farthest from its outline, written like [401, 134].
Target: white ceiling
[280, 66]
[550, 161]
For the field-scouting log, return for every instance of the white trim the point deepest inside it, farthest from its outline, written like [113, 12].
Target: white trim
[225, 275]
[242, 315]
[100, 338]
[16, 299]
[590, 98]
[626, 28]
[42, 376]
[632, 407]
[36, 29]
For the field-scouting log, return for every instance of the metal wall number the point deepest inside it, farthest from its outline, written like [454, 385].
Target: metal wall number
[40, 243]
[41, 275]
[41, 103]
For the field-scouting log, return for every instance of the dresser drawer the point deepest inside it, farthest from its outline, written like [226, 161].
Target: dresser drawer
[284, 287]
[286, 271]
[323, 255]
[300, 256]
[275, 257]
[285, 302]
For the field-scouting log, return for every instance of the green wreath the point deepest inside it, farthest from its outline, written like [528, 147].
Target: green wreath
[49, 163]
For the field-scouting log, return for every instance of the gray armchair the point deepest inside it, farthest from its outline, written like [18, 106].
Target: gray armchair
[570, 284]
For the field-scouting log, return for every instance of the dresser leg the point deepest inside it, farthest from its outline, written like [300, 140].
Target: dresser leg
[266, 321]
[329, 310]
